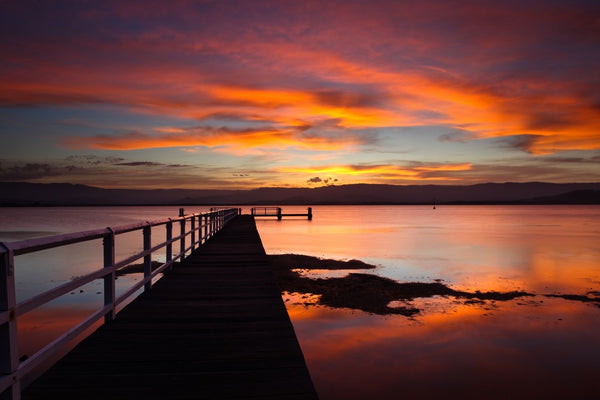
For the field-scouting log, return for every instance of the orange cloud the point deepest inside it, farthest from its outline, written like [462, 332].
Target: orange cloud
[438, 97]
[447, 167]
[415, 98]
[234, 141]
[402, 98]
[312, 76]
[380, 173]
[290, 106]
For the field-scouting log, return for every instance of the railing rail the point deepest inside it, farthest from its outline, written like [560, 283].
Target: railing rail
[201, 228]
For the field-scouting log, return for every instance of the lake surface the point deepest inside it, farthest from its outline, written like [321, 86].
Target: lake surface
[529, 347]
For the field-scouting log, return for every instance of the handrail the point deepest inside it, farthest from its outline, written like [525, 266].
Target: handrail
[202, 227]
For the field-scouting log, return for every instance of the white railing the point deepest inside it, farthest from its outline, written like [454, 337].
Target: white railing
[201, 228]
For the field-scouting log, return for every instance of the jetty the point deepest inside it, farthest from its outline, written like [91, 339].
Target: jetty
[213, 327]
[278, 212]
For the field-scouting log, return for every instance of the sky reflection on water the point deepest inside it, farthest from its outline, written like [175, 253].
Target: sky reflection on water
[532, 347]
[515, 349]
[528, 347]
[541, 249]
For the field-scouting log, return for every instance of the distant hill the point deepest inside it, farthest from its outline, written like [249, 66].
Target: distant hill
[574, 197]
[35, 194]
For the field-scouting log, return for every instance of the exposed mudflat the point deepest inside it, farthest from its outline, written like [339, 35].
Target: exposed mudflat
[372, 293]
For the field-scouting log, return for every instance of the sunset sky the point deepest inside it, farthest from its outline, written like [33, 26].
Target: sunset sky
[245, 94]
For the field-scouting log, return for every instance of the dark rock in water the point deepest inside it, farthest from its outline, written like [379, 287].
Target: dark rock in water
[291, 261]
[366, 292]
[577, 297]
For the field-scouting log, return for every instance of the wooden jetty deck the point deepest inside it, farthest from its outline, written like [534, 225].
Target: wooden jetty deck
[214, 328]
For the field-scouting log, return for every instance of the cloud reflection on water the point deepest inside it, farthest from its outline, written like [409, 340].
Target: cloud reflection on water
[514, 349]
[531, 347]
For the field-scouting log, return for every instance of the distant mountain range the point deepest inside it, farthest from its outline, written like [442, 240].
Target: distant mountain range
[37, 194]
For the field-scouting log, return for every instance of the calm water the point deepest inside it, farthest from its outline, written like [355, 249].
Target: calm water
[530, 347]
[534, 347]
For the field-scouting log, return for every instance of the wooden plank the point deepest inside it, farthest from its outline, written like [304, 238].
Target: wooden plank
[214, 328]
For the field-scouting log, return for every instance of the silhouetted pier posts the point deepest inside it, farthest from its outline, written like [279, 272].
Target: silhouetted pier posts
[278, 212]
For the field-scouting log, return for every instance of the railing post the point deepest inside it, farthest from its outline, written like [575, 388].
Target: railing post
[199, 230]
[310, 213]
[9, 351]
[170, 245]
[279, 213]
[206, 226]
[148, 257]
[208, 223]
[108, 243]
[182, 243]
[193, 230]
